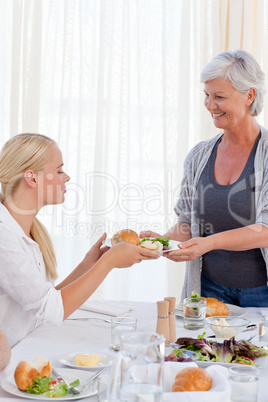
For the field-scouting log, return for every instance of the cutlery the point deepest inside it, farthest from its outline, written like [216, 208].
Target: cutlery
[78, 389]
[89, 318]
[60, 379]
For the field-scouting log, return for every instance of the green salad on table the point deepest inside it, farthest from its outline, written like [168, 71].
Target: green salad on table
[49, 387]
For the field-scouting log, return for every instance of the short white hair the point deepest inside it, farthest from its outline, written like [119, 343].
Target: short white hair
[242, 70]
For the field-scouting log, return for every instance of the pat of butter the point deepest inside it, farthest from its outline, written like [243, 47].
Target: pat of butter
[89, 360]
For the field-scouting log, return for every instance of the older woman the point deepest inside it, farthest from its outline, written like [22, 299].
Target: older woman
[223, 206]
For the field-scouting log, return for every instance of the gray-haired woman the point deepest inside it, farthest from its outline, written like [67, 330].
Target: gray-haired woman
[223, 206]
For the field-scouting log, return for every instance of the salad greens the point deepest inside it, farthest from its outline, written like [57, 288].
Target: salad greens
[40, 385]
[48, 387]
[163, 240]
[228, 351]
[194, 296]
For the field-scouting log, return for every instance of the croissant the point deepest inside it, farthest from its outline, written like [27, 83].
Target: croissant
[192, 379]
[215, 307]
[26, 372]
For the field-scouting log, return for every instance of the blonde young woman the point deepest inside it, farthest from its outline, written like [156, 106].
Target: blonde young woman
[32, 176]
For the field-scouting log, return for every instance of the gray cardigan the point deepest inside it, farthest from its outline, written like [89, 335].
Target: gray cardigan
[193, 167]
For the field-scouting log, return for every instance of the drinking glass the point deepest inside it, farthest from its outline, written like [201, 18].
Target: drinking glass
[194, 312]
[244, 382]
[263, 328]
[103, 384]
[140, 367]
[119, 326]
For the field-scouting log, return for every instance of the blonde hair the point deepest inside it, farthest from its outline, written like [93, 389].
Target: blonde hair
[20, 153]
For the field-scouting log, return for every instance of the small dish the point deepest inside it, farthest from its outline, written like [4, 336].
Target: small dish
[182, 355]
[69, 360]
[226, 327]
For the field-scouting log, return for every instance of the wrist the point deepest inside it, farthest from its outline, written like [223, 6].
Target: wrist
[107, 260]
[210, 243]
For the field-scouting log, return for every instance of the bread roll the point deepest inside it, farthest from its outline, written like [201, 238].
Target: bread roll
[215, 307]
[192, 379]
[26, 373]
[127, 235]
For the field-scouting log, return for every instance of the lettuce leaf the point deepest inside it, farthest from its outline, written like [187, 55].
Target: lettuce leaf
[163, 240]
[39, 386]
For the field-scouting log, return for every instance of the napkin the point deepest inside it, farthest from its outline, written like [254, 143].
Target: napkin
[220, 390]
[106, 307]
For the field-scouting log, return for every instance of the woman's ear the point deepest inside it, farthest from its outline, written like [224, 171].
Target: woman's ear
[251, 96]
[31, 178]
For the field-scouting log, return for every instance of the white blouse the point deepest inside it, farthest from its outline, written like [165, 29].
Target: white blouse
[27, 297]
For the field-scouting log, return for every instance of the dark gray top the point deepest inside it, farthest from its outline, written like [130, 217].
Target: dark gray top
[224, 207]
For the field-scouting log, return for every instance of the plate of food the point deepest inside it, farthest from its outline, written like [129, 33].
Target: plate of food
[226, 352]
[214, 308]
[35, 381]
[160, 244]
[235, 311]
[86, 361]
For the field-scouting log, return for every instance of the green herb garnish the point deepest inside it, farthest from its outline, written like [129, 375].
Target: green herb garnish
[163, 240]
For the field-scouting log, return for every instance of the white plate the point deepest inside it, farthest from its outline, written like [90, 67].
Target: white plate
[173, 245]
[235, 311]
[260, 361]
[69, 360]
[8, 384]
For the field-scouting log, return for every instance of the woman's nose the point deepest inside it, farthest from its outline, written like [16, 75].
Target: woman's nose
[210, 103]
[66, 178]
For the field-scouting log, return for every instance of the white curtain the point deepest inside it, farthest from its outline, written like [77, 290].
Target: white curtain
[116, 84]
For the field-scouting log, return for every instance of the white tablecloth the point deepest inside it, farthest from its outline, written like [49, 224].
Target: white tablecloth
[94, 335]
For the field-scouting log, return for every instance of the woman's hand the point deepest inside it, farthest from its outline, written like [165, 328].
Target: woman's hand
[149, 233]
[95, 252]
[190, 249]
[125, 254]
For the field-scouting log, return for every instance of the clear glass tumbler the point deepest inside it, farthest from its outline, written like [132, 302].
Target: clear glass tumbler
[119, 326]
[244, 382]
[194, 312]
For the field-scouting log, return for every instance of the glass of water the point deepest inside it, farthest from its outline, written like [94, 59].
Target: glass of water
[244, 382]
[263, 328]
[194, 312]
[142, 363]
[119, 326]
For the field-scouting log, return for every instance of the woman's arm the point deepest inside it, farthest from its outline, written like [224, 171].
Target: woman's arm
[181, 231]
[121, 256]
[5, 351]
[246, 238]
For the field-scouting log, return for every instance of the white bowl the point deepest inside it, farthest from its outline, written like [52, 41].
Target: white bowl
[226, 327]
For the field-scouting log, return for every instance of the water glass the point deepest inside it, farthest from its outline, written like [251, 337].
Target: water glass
[244, 382]
[263, 328]
[142, 363]
[119, 326]
[103, 384]
[194, 312]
